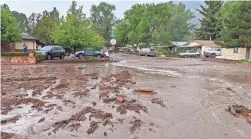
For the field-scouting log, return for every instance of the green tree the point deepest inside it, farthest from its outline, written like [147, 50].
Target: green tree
[22, 20]
[237, 28]
[75, 31]
[179, 24]
[103, 19]
[211, 23]
[9, 27]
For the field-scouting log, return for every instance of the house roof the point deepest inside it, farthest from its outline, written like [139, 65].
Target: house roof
[28, 37]
[206, 43]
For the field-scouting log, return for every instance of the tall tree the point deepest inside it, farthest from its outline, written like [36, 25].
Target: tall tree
[75, 31]
[210, 24]
[237, 28]
[9, 27]
[179, 24]
[103, 19]
[22, 20]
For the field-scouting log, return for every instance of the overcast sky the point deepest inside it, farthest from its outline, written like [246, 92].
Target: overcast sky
[38, 6]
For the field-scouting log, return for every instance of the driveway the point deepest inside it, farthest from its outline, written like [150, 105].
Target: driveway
[195, 94]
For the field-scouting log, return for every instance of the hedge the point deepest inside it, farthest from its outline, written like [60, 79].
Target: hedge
[39, 57]
[15, 54]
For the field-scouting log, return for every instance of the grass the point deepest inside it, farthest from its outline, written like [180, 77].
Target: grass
[245, 62]
[93, 58]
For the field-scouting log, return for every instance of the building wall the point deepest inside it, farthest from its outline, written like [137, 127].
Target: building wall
[229, 52]
[30, 43]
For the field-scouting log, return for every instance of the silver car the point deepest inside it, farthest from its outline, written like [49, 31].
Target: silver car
[147, 52]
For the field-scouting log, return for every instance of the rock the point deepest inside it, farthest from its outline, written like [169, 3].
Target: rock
[94, 103]
[41, 120]
[105, 134]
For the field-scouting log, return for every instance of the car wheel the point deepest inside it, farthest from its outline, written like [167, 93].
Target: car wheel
[81, 56]
[213, 55]
[62, 56]
[49, 57]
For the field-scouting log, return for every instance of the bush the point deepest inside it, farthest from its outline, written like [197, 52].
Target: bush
[162, 51]
[15, 54]
[39, 57]
[93, 58]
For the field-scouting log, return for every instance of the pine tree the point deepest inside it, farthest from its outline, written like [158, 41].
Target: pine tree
[237, 27]
[210, 24]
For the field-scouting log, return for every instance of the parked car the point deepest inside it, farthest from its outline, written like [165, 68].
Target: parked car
[190, 53]
[213, 52]
[144, 51]
[89, 52]
[51, 51]
[147, 52]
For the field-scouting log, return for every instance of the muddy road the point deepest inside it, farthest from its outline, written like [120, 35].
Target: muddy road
[98, 100]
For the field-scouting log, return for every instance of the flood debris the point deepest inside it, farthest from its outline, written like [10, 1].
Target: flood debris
[105, 134]
[66, 102]
[5, 135]
[36, 103]
[145, 91]
[74, 126]
[49, 94]
[80, 116]
[136, 124]
[93, 75]
[61, 86]
[80, 94]
[230, 89]
[94, 103]
[237, 110]
[94, 87]
[158, 101]
[121, 120]
[41, 120]
[93, 127]
[11, 120]
[131, 105]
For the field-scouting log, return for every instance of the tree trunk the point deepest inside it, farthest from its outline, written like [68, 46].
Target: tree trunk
[74, 49]
[247, 53]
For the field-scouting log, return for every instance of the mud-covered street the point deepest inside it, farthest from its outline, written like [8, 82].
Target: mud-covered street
[184, 98]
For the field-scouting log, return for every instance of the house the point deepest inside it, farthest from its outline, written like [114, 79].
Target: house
[202, 45]
[175, 46]
[233, 53]
[30, 41]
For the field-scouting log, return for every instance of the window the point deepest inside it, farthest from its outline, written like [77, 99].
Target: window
[237, 50]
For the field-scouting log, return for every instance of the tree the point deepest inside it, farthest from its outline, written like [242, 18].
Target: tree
[22, 20]
[155, 24]
[103, 19]
[9, 27]
[210, 24]
[179, 24]
[237, 28]
[75, 31]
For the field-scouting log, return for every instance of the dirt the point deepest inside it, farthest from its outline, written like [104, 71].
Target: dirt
[158, 101]
[74, 126]
[66, 102]
[36, 103]
[136, 124]
[132, 106]
[5, 135]
[80, 116]
[93, 127]
[82, 93]
[50, 95]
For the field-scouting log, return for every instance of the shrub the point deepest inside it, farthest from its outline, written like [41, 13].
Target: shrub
[39, 57]
[15, 54]
[162, 51]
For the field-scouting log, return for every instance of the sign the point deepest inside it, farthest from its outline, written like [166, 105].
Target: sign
[113, 36]
[113, 41]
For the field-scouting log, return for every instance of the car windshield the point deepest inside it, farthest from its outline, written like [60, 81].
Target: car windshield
[46, 48]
